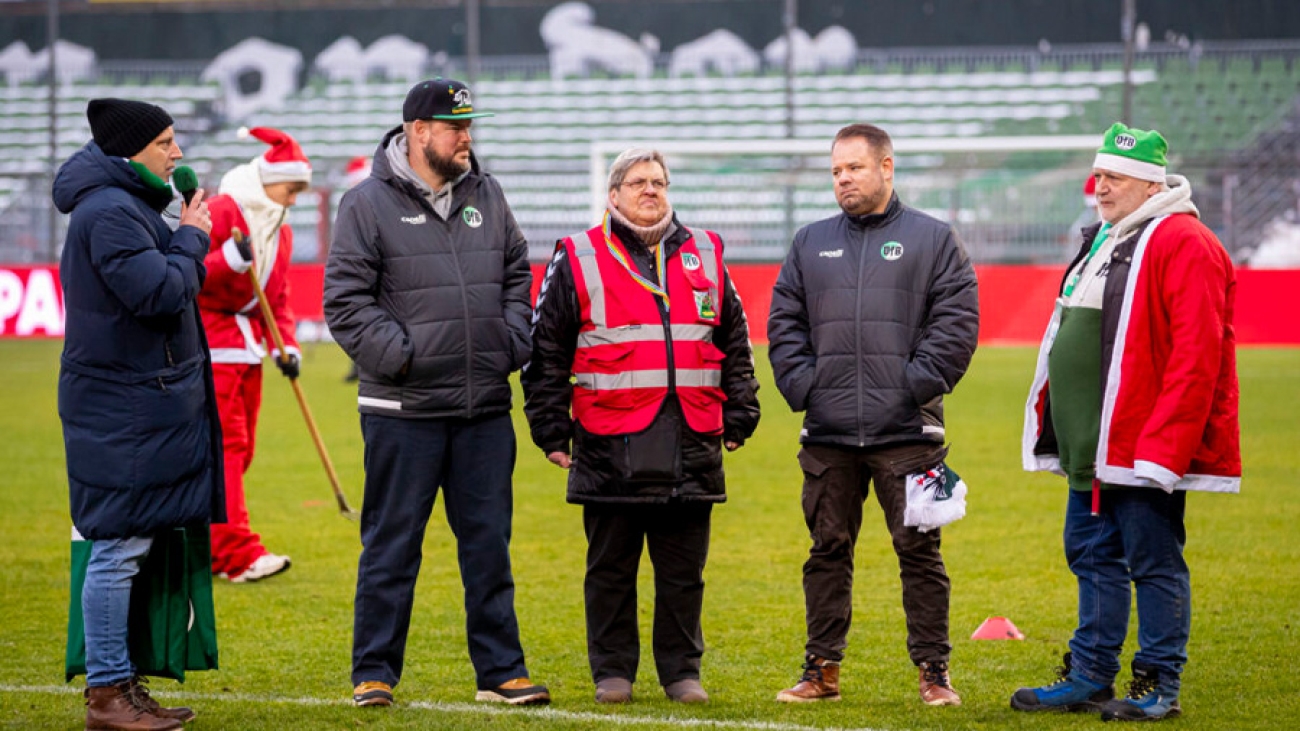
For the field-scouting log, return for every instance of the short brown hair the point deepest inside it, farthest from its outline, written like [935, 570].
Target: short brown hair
[876, 137]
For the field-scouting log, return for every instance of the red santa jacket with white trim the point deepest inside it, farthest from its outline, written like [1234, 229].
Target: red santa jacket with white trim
[231, 315]
[1169, 414]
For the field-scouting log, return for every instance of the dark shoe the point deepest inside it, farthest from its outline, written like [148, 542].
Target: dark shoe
[820, 682]
[687, 690]
[180, 713]
[119, 708]
[372, 693]
[936, 686]
[1150, 698]
[1071, 693]
[614, 690]
[517, 692]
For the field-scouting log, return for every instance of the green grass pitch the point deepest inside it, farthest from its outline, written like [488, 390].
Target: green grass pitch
[285, 643]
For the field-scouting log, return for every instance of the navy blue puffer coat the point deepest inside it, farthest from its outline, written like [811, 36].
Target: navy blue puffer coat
[136, 398]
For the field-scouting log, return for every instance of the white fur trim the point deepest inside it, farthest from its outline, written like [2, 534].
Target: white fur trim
[294, 171]
[230, 252]
[1130, 167]
[243, 133]
[1114, 371]
[234, 355]
[1029, 461]
[1188, 482]
[1158, 474]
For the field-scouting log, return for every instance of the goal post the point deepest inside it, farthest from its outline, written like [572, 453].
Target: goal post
[1011, 198]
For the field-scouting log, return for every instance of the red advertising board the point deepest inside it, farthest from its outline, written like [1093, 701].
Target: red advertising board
[1015, 301]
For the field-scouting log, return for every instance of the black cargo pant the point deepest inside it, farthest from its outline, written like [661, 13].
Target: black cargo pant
[677, 535]
[836, 482]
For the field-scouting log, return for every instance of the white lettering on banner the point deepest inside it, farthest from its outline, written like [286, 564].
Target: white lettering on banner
[11, 296]
[36, 303]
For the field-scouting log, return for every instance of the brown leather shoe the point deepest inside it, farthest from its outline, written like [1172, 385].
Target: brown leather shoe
[180, 713]
[119, 708]
[687, 690]
[936, 687]
[820, 682]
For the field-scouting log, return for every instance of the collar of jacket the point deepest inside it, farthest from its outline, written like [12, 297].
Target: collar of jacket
[876, 220]
[380, 168]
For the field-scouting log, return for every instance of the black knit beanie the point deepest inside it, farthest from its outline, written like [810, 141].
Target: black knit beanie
[123, 127]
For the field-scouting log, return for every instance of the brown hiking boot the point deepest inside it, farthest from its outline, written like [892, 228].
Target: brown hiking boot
[936, 687]
[120, 708]
[180, 713]
[820, 682]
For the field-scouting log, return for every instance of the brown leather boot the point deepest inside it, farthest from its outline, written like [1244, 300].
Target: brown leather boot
[119, 708]
[936, 686]
[180, 713]
[820, 682]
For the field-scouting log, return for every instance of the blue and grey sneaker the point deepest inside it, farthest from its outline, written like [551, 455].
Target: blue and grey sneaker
[1151, 697]
[1070, 693]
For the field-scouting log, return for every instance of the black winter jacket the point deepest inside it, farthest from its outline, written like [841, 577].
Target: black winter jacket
[435, 313]
[874, 318]
[601, 463]
[139, 413]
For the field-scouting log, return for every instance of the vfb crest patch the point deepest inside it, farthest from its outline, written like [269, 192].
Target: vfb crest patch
[690, 261]
[1125, 142]
[891, 250]
[472, 217]
[462, 102]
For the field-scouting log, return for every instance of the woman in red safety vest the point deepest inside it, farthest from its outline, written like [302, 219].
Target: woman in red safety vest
[641, 372]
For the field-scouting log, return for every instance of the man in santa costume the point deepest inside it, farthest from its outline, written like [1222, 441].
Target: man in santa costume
[254, 198]
[1134, 402]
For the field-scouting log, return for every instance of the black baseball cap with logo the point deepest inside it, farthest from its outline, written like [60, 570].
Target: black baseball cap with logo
[445, 99]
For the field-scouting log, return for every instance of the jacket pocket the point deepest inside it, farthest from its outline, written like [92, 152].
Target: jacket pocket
[172, 427]
[654, 455]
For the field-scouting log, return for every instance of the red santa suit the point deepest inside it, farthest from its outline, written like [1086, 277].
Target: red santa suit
[238, 336]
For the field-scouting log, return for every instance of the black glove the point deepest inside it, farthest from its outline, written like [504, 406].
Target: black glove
[288, 365]
[244, 248]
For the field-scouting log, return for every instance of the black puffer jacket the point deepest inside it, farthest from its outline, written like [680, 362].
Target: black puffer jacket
[435, 313]
[874, 318]
[600, 461]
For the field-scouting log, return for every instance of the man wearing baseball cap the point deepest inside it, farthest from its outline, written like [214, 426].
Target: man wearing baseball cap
[427, 289]
[135, 385]
[1135, 402]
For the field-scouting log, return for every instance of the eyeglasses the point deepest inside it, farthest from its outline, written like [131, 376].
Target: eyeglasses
[642, 183]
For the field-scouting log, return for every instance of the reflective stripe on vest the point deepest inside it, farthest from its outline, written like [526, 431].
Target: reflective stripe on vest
[648, 379]
[621, 366]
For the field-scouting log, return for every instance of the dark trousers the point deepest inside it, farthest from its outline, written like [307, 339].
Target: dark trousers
[407, 461]
[678, 538]
[836, 483]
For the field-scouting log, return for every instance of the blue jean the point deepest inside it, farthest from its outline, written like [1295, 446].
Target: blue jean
[407, 461]
[106, 604]
[1137, 539]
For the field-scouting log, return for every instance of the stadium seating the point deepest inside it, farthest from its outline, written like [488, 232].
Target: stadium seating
[539, 142]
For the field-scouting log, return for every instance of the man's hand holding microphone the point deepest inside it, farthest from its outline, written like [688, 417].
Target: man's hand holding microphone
[194, 212]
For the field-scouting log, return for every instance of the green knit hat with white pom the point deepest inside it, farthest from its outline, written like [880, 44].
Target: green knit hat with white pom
[1133, 152]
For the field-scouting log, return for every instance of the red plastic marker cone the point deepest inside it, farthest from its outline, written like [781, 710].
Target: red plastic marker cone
[997, 628]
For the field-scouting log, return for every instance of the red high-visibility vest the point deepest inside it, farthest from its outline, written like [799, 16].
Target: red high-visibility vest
[624, 361]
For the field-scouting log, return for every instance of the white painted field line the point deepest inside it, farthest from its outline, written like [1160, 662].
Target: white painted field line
[549, 712]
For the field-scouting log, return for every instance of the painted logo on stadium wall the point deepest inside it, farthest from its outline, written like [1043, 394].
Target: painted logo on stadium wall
[891, 250]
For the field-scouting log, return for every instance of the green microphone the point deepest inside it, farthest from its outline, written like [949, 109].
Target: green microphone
[186, 182]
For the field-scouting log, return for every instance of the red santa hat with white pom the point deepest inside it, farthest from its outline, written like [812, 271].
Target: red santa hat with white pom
[358, 170]
[284, 162]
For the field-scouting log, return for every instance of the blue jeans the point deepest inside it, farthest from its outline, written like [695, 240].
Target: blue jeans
[105, 605]
[1138, 538]
[407, 461]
